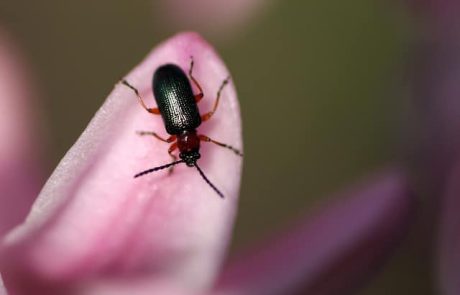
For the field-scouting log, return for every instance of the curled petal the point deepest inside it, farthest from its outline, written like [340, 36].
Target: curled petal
[332, 252]
[95, 225]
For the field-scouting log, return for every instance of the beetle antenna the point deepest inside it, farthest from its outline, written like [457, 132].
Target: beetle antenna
[209, 182]
[158, 168]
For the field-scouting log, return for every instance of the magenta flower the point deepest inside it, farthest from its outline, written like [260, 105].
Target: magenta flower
[96, 230]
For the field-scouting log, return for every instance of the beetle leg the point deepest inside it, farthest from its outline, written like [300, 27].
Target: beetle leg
[207, 139]
[208, 115]
[171, 149]
[200, 95]
[155, 111]
[168, 140]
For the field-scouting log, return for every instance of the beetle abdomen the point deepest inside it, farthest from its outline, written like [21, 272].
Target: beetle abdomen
[175, 99]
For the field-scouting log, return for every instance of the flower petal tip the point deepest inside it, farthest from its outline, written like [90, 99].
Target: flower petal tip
[94, 221]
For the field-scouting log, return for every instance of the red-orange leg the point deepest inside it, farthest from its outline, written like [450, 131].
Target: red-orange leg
[154, 111]
[207, 139]
[200, 95]
[208, 116]
[168, 140]
[171, 149]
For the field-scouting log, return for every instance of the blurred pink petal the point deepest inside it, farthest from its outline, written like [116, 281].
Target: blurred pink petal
[2, 287]
[217, 17]
[19, 151]
[436, 92]
[332, 252]
[439, 16]
[450, 237]
[435, 79]
[94, 225]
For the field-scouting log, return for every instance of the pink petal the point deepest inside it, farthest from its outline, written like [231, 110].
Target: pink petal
[217, 17]
[94, 224]
[436, 91]
[19, 151]
[435, 88]
[450, 237]
[2, 287]
[332, 252]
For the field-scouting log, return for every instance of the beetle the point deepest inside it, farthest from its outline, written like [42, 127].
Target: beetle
[178, 107]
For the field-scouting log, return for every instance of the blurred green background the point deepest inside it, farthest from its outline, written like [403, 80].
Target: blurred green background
[319, 84]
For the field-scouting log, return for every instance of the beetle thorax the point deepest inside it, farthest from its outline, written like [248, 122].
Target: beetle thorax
[188, 143]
